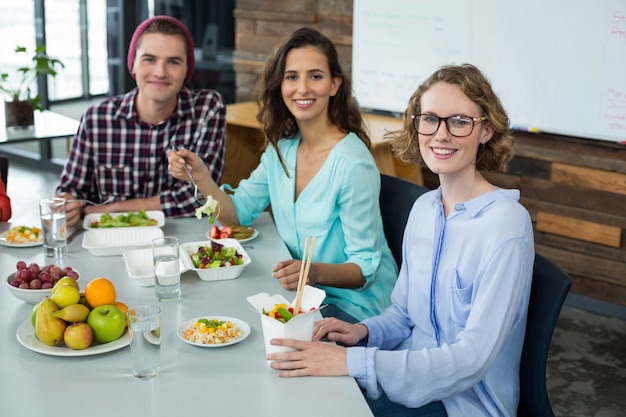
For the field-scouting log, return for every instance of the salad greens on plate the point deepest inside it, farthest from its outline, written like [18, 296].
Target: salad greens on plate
[130, 219]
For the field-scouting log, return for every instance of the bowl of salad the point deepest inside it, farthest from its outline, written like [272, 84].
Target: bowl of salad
[216, 259]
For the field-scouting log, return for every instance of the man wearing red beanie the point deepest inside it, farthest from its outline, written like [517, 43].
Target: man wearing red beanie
[119, 153]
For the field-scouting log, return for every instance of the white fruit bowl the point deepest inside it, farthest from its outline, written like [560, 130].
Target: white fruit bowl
[214, 274]
[28, 295]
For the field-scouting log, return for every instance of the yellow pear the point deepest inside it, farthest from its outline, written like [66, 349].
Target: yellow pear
[49, 329]
[73, 313]
[64, 281]
[65, 295]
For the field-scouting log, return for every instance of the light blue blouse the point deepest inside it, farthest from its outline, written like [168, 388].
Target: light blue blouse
[340, 206]
[455, 329]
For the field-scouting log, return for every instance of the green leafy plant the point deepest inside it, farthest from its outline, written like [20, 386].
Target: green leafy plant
[18, 87]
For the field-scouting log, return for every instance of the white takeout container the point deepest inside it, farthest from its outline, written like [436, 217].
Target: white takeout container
[157, 215]
[116, 241]
[214, 274]
[299, 327]
[140, 266]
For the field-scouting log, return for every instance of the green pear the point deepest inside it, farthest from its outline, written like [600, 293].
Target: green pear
[65, 295]
[64, 281]
[73, 313]
[49, 329]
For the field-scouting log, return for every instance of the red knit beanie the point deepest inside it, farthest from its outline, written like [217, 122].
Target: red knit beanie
[142, 27]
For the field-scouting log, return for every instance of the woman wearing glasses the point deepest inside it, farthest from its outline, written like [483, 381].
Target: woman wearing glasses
[451, 342]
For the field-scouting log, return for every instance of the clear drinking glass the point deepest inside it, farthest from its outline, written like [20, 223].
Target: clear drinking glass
[144, 325]
[52, 212]
[166, 268]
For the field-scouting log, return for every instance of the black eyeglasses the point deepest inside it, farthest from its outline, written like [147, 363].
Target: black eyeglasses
[458, 126]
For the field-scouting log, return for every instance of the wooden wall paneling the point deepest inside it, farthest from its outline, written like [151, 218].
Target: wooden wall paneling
[570, 196]
[579, 229]
[613, 182]
[538, 205]
[605, 270]
[579, 246]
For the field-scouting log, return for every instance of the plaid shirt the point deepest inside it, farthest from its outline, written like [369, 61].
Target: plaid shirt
[114, 154]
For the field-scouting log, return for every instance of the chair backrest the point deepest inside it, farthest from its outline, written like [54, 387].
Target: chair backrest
[550, 286]
[396, 200]
[4, 169]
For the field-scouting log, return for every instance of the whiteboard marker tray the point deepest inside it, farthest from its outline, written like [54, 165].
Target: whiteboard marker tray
[111, 242]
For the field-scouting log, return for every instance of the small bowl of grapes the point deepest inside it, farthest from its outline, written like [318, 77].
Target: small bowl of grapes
[32, 283]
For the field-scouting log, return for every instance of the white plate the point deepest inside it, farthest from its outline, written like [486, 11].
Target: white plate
[157, 215]
[26, 336]
[116, 241]
[243, 326]
[254, 235]
[4, 242]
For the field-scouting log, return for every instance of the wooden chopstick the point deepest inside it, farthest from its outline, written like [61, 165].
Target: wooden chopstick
[304, 273]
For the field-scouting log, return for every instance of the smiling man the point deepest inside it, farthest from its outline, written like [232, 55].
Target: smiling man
[119, 154]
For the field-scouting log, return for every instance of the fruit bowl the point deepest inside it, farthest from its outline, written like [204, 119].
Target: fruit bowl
[29, 295]
[214, 274]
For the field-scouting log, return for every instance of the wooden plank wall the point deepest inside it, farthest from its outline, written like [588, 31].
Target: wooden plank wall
[575, 189]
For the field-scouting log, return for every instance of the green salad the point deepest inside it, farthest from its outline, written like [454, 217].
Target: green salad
[130, 219]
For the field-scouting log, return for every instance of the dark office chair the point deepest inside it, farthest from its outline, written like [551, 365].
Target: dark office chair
[396, 200]
[547, 294]
[4, 169]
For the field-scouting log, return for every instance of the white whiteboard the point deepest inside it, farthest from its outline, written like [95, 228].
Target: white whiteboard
[559, 66]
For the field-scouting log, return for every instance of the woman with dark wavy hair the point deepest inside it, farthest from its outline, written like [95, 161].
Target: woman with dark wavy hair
[450, 343]
[319, 177]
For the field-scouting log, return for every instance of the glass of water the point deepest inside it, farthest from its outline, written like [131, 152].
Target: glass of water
[52, 211]
[166, 268]
[144, 325]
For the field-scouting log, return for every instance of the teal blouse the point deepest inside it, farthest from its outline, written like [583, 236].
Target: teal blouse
[339, 206]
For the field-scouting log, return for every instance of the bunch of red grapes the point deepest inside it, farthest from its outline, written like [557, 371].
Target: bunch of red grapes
[35, 278]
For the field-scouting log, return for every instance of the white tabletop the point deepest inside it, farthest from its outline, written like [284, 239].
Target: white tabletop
[229, 381]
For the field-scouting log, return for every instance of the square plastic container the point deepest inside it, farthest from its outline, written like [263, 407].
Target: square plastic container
[111, 242]
[214, 274]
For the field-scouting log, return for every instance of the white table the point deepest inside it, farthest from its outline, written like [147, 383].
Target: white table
[229, 381]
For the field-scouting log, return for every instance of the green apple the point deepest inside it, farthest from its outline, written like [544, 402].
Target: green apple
[65, 295]
[107, 322]
[78, 336]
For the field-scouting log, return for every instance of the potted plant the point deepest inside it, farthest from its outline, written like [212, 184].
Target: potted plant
[21, 103]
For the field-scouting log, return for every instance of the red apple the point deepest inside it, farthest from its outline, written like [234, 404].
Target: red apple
[78, 336]
[107, 322]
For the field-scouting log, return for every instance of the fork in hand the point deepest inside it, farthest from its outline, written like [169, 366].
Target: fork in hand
[196, 193]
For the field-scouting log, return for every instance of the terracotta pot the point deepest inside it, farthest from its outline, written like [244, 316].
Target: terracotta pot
[19, 114]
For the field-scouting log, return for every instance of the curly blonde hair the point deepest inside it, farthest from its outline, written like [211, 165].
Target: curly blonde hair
[495, 154]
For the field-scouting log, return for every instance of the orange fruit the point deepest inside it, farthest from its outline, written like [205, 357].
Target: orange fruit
[99, 292]
[124, 308]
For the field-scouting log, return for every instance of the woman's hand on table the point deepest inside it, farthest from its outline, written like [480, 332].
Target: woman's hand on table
[310, 358]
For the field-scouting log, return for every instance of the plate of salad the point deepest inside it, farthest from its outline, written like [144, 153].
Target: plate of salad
[22, 237]
[215, 260]
[213, 331]
[141, 218]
